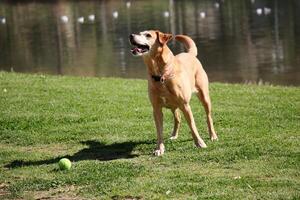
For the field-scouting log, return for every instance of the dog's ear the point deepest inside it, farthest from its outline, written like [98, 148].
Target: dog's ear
[163, 38]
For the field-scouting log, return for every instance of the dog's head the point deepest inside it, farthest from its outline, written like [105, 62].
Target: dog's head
[147, 41]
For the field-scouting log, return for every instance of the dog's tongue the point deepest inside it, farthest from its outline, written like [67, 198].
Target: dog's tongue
[136, 50]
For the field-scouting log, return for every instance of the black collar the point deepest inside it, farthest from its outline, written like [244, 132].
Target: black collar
[158, 78]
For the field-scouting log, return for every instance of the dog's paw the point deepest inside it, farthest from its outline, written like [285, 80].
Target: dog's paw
[213, 137]
[158, 152]
[201, 144]
[173, 137]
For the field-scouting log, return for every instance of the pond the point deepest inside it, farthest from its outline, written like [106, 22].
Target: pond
[238, 41]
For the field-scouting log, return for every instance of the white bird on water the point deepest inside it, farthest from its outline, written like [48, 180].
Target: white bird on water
[217, 5]
[115, 14]
[259, 11]
[92, 18]
[267, 10]
[128, 4]
[166, 14]
[3, 20]
[64, 19]
[80, 20]
[202, 15]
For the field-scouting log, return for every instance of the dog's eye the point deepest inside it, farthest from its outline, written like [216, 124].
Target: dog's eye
[148, 35]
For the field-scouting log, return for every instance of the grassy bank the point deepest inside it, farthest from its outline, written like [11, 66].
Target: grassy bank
[105, 127]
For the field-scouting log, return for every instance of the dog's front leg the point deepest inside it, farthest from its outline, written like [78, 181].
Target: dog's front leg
[158, 118]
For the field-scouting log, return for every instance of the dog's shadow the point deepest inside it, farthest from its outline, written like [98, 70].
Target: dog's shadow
[95, 151]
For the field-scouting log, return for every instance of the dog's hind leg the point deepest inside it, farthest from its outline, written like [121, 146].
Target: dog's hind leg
[177, 122]
[203, 95]
[186, 109]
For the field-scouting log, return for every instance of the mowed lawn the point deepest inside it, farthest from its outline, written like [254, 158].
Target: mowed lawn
[105, 127]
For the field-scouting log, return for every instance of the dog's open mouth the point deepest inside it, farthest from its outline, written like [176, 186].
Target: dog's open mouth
[139, 49]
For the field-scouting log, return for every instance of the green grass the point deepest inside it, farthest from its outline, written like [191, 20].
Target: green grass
[105, 127]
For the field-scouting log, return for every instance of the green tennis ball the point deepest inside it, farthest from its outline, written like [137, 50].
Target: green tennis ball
[64, 164]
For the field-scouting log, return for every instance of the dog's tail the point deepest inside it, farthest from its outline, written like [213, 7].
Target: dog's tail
[188, 43]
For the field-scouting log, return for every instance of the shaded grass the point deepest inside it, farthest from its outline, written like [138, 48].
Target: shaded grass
[105, 126]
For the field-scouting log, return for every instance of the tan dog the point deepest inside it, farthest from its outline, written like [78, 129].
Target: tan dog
[172, 80]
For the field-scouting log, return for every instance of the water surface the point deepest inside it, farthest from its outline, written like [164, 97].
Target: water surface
[238, 41]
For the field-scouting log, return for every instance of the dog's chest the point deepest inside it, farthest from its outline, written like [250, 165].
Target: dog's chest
[168, 96]
[164, 100]
[167, 102]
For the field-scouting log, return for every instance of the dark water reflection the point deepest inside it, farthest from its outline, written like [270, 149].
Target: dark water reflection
[237, 41]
